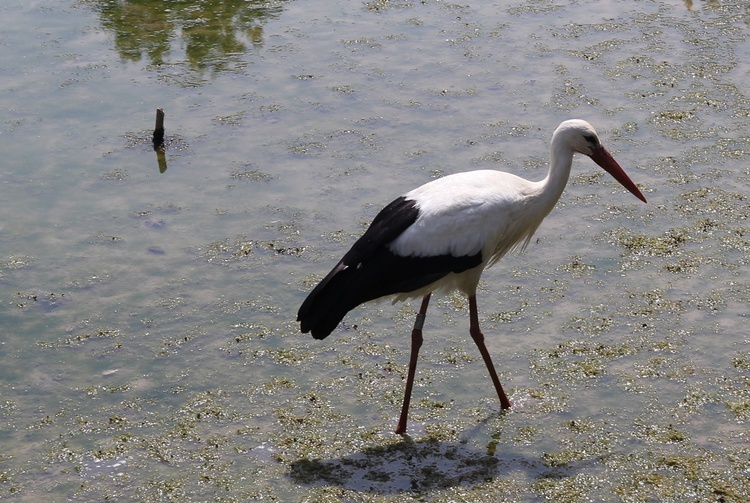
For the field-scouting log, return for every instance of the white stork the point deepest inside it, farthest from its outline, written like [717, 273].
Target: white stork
[442, 235]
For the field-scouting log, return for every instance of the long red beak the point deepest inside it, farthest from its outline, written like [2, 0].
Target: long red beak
[604, 159]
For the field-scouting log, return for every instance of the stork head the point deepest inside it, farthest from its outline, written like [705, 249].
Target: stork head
[580, 136]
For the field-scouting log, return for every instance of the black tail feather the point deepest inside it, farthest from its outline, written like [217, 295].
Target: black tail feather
[384, 273]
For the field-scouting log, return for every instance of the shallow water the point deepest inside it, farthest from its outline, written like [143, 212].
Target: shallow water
[149, 350]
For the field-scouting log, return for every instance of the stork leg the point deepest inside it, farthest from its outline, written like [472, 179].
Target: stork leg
[416, 343]
[478, 336]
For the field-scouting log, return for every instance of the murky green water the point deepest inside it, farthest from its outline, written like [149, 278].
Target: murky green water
[148, 349]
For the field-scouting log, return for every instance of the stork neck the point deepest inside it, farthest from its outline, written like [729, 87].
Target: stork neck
[561, 160]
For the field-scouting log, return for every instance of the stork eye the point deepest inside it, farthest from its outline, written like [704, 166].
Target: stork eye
[591, 139]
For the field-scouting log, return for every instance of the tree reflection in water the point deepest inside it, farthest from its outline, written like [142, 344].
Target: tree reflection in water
[203, 36]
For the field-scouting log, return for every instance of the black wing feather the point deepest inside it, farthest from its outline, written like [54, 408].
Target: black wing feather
[369, 270]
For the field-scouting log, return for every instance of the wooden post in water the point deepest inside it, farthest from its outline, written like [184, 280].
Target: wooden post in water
[159, 129]
[158, 140]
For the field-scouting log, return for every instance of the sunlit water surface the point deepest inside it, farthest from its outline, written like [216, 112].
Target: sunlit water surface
[149, 350]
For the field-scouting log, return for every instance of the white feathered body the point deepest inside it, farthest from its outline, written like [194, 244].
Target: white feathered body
[487, 211]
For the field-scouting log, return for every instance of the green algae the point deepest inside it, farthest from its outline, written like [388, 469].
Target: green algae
[195, 385]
